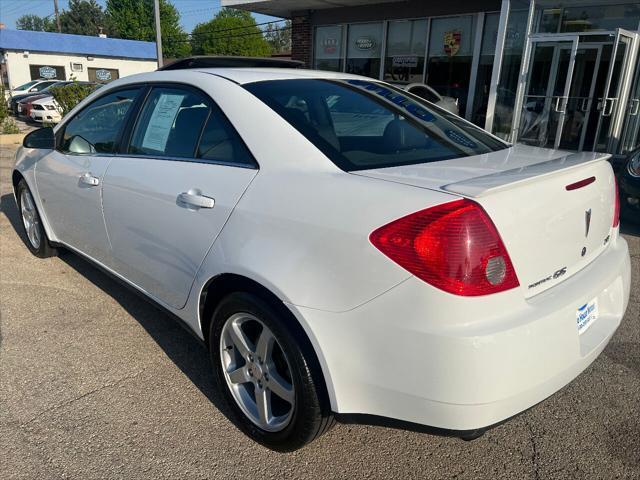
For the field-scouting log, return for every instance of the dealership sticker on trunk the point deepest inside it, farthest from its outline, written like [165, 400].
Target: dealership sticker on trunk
[586, 315]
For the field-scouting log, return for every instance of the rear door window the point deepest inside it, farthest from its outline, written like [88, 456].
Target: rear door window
[182, 123]
[170, 124]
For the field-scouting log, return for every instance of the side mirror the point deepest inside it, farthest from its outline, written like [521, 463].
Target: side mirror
[34, 89]
[41, 138]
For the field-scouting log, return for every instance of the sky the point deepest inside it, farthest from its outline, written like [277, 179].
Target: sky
[192, 12]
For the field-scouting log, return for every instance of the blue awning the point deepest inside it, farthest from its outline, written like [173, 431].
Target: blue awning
[76, 44]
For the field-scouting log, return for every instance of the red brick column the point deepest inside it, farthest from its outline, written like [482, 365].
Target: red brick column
[301, 47]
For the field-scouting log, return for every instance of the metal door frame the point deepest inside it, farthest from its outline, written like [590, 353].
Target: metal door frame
[622, 92]
[592, 89]
[632, 110]
[570, 41]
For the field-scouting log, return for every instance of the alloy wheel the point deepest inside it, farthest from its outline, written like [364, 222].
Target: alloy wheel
[257, 372]
[30, 219]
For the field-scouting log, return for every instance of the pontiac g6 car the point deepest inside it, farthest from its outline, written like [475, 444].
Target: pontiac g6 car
[340, 245]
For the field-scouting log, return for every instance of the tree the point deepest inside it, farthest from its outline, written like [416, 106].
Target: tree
[231, 32]
[84, 17]
[279, 37]
[36, 23]
[134, 20]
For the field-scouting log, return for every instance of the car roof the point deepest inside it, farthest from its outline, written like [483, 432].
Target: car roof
[237, 75]
[250, 75]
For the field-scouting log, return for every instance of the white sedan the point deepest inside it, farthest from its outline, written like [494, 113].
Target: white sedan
[340, 247]
[45, 110]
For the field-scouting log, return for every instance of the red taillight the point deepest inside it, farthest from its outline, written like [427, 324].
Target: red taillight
[616, 208]
[454, 247]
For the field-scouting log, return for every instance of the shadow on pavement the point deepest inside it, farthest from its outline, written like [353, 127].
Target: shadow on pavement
[186, 352]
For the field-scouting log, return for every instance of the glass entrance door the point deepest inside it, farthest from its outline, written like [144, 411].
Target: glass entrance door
[631, 130]
[616, 88]
[546, 96]
[575, 91]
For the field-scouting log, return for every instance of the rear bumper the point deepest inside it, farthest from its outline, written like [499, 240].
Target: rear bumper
[420, 355]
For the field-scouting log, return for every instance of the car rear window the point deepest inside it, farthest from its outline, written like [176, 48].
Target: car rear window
[361, 124]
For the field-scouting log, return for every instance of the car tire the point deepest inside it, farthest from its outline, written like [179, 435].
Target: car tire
[36, 238]
[291, 362]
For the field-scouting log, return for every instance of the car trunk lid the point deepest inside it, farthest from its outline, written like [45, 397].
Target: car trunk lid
[554, 210]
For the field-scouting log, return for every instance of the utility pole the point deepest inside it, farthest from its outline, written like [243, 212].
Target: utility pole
[55, 9]
[156, 8]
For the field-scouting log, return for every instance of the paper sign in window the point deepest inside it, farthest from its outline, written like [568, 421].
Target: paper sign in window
[162, 119]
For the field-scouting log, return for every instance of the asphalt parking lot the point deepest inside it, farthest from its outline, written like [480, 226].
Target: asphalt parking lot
[97, 383]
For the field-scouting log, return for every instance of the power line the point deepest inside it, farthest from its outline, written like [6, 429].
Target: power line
[227, 37]
[222, 30]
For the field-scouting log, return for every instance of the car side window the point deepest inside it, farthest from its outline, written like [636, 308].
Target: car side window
[95, 129]
[170, 124]
[221, 143]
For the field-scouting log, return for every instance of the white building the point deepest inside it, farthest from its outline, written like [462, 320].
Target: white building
[27, 56]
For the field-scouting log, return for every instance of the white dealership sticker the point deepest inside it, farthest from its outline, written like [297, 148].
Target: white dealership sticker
[586, 315]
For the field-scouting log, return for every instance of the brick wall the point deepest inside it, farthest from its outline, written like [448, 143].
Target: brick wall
[301, 39]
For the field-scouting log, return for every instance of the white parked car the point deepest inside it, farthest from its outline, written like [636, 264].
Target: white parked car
[45, 110]
[340, 246]
[32, 87]
[423, 90]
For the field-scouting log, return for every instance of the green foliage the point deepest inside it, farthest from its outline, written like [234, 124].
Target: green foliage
[231, 32]
[279, 36]
[84, 17]
[134, 19]
[36, 23]
[68, 96]
[9, 127]
[4, 110]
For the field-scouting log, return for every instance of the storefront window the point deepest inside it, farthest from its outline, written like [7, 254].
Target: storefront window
[450, 57]
[404, 62]
[565, 17]
[328, 48]
[510, 70]
[363, 49]
[485, 68]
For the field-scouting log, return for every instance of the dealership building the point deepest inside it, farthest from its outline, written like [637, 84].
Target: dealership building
[552, 73]
[27, 55]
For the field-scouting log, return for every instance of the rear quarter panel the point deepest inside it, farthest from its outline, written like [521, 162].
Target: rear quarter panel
[302, 227]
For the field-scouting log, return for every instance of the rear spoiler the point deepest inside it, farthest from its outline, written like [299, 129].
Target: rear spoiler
[488, 184]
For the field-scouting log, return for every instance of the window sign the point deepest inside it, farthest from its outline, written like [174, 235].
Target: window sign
[328, 48]
[452, 41]
[451, 36]
[47, 72]
[162, 118]
[103, 75]
[404, 62]
[408, 61]
[364, 48]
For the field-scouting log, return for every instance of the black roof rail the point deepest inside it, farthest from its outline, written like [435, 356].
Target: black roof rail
[231, 62]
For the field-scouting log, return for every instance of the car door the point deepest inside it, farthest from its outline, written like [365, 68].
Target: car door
[69, 178]
[166, 200]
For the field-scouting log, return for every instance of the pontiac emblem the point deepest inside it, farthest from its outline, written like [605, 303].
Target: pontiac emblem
[587, 222]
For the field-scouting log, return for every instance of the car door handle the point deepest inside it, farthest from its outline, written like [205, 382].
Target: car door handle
[90, 180]
[194, 198]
